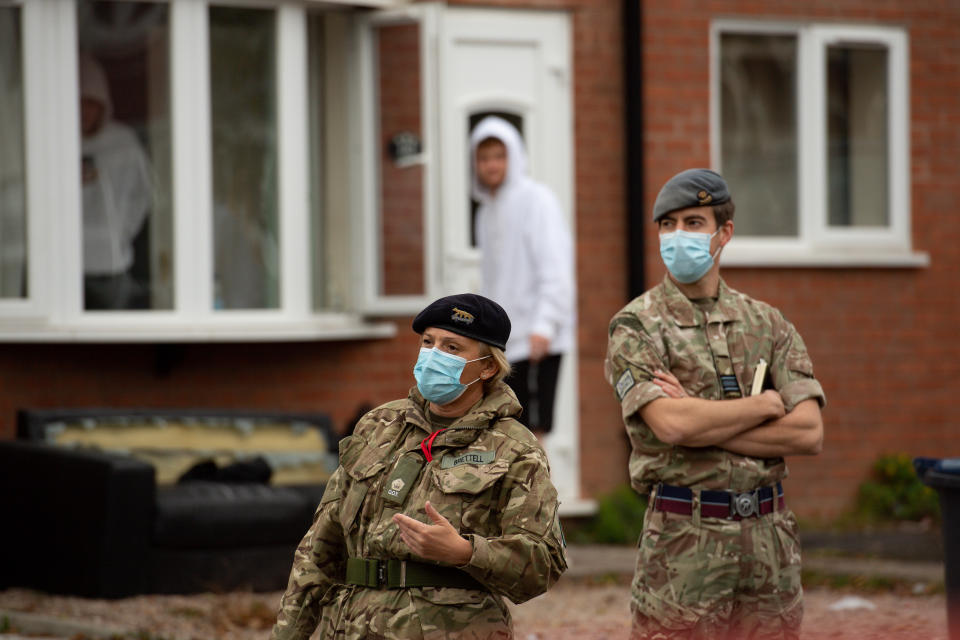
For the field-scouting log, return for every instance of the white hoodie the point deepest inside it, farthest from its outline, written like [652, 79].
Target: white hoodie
[527, 252]
[117, 201]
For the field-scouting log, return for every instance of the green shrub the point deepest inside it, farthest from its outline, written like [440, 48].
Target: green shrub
[619, 519]
[895, 493]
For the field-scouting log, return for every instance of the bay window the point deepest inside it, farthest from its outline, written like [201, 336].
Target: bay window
[810, 128]
[164, 172]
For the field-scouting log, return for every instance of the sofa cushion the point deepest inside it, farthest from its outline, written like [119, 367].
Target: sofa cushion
[200, 514]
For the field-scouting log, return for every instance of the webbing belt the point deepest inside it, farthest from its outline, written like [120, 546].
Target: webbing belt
[398, 574]
[718, 504]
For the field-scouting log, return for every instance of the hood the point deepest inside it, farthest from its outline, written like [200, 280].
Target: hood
[93, 85]
[494, 127]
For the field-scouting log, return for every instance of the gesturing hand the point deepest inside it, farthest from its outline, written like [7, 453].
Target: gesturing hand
[439, 541]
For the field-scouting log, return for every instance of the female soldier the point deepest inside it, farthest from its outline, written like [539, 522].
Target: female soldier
[441, 505]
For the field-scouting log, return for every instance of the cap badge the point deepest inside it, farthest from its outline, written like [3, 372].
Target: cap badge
[704, 197]
[460, 315]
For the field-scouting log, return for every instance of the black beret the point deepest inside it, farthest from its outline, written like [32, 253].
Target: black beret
[691, 188]
[469, 315]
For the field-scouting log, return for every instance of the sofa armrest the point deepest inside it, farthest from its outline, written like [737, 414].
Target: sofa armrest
[76, 521]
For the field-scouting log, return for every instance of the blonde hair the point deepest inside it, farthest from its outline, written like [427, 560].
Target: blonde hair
[503, 365]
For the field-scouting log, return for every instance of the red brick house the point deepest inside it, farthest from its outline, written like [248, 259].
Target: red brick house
[310, 194]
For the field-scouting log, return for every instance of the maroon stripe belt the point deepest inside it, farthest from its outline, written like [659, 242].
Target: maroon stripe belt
[719, 504]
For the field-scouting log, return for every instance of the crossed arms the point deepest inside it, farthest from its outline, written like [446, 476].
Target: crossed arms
[757, 426]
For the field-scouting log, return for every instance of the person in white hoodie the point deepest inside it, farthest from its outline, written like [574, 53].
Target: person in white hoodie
[117, 196]
[526, 265]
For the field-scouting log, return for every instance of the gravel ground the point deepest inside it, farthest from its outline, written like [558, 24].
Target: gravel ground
[573, 610]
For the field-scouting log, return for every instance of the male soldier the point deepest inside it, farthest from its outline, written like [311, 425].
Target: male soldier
[719, 555]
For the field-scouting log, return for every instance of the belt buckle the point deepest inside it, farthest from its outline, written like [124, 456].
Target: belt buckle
[745, 504]
[381, 573]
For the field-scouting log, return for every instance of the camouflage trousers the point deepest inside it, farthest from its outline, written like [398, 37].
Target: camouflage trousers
[717, 579]
[428, 613]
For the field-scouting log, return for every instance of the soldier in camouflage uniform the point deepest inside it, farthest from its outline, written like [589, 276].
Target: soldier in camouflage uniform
[441, 506]
[719, 557]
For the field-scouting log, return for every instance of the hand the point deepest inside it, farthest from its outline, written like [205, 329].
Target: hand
[669, 383]
[776, 408]
[439, 541]
[539, 345]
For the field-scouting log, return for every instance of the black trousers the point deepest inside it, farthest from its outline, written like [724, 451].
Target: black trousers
[535, 384]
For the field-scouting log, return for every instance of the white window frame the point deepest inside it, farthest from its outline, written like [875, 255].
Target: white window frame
[53, 310]
[367, 240]
[816, 243]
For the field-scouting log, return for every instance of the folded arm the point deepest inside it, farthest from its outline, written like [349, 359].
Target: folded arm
[695, 422]
[799, 432]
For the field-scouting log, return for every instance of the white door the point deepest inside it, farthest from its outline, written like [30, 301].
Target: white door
[423, 75]
[515, 64]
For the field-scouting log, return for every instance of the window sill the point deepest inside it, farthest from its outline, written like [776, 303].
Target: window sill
[134, 328]
[824, 257]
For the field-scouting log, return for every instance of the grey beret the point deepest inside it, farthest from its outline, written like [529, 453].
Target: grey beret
[691, 188]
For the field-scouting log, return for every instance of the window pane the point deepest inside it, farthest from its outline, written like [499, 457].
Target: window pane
[857, 144]
[125, 155]
[244, 123]
[401, 181]
[13, 206]
[758, 120]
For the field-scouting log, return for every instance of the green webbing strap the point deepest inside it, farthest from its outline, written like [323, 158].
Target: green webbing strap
[398, 574]
[362, 572]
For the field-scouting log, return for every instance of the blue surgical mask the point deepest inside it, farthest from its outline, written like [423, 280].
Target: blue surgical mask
[686, 254]
[438, 375]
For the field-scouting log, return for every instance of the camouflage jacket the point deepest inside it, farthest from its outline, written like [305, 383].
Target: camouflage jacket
[663, 329]
[506, 506]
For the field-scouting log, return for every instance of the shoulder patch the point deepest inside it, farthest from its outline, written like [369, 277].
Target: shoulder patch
[625, 383]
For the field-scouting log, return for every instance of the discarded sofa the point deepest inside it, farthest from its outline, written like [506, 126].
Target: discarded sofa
[113, 502]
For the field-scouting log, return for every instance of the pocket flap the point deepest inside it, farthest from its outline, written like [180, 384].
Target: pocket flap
[359, 460]
[469, 478]
[368, 464]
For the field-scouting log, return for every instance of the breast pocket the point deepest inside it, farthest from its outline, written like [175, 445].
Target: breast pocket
[469, 496]
[362, 474]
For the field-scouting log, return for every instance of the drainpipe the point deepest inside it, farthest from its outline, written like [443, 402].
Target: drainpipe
[633, 122]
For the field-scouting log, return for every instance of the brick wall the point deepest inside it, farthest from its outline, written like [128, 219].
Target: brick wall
[880, 339]
[401, 187]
